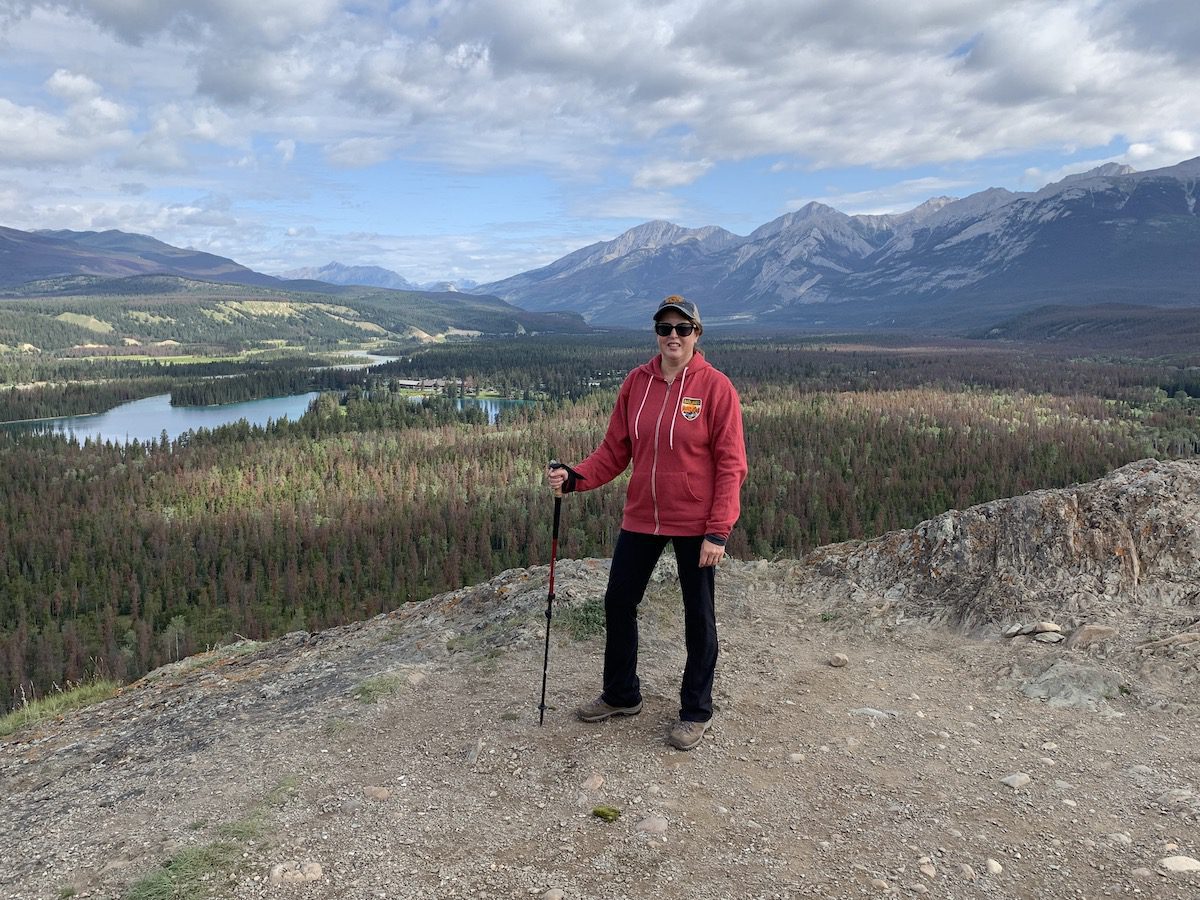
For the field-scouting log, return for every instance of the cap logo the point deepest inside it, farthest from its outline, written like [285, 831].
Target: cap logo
[689, 407]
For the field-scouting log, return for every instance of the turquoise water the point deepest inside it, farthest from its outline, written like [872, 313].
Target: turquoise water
[145, 420]
[491, 406]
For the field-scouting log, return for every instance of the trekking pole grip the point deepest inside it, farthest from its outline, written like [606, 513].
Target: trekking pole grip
[558, 492]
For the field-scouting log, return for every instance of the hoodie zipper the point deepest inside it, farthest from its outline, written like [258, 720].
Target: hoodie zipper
[654, 465]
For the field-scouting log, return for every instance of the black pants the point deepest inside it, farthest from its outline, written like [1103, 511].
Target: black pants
[633, 562]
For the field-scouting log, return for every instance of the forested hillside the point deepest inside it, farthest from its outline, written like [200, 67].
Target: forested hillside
[118, 559]
[124, 314]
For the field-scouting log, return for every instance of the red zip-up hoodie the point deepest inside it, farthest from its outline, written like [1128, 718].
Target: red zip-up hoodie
[685, 441]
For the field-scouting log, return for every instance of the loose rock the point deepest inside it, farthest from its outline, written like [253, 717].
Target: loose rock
[872, 713]
[1090, 635]
[294, 872]
[653, 825]
[1180, 864]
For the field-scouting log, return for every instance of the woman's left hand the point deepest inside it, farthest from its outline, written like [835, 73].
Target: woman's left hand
[710, 553]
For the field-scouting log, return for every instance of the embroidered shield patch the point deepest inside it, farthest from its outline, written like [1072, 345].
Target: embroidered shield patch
[690, 407]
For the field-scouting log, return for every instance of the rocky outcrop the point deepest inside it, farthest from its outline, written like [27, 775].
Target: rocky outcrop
[1111, 569]
[1126, 544]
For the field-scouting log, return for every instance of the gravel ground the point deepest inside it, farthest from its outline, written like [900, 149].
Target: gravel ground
[402, 757]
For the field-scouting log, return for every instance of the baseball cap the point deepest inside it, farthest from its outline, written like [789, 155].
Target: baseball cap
[684, 307]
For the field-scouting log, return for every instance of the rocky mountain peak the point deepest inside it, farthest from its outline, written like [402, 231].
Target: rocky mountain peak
[338, 273]
[810, 215]
[658, 233]
[1105, 171]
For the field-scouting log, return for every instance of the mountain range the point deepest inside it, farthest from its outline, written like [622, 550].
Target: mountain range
[1110, 235]
[27, 256]
[374, 276]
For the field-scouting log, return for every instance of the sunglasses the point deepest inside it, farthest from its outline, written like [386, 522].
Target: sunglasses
[683, 329]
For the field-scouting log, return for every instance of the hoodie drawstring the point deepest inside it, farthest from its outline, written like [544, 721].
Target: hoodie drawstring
[638, 418]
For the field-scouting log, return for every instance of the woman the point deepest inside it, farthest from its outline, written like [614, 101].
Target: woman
[679, 421]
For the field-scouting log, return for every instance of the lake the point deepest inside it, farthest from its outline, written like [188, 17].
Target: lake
[145, 420]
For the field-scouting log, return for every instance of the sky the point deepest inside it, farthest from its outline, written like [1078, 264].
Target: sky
[477, 139]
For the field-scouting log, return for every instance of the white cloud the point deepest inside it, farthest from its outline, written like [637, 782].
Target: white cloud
[30, 136]
[35, 137]
[670, 174]
[355, 153]
[636, 205]
[644, 98]
[71, 86]
[273, 22]
[484, 82]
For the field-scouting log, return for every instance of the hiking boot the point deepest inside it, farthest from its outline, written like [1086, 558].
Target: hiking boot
[598, 710]
[686, 735]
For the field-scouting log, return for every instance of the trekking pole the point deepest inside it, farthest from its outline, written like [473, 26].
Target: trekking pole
[554, 464]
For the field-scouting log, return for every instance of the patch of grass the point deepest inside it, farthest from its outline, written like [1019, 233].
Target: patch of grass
[586, 620]
[187, 873]
[828, 616]
[244, 830]
[284, 791]
[336, 728]
[462, 642]
[219, 655]
[53, 705]
[91, 323]
[193, 872]
[377, 687]
[141, 316]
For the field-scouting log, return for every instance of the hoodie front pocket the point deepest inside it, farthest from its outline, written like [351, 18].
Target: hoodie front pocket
[678, 498]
